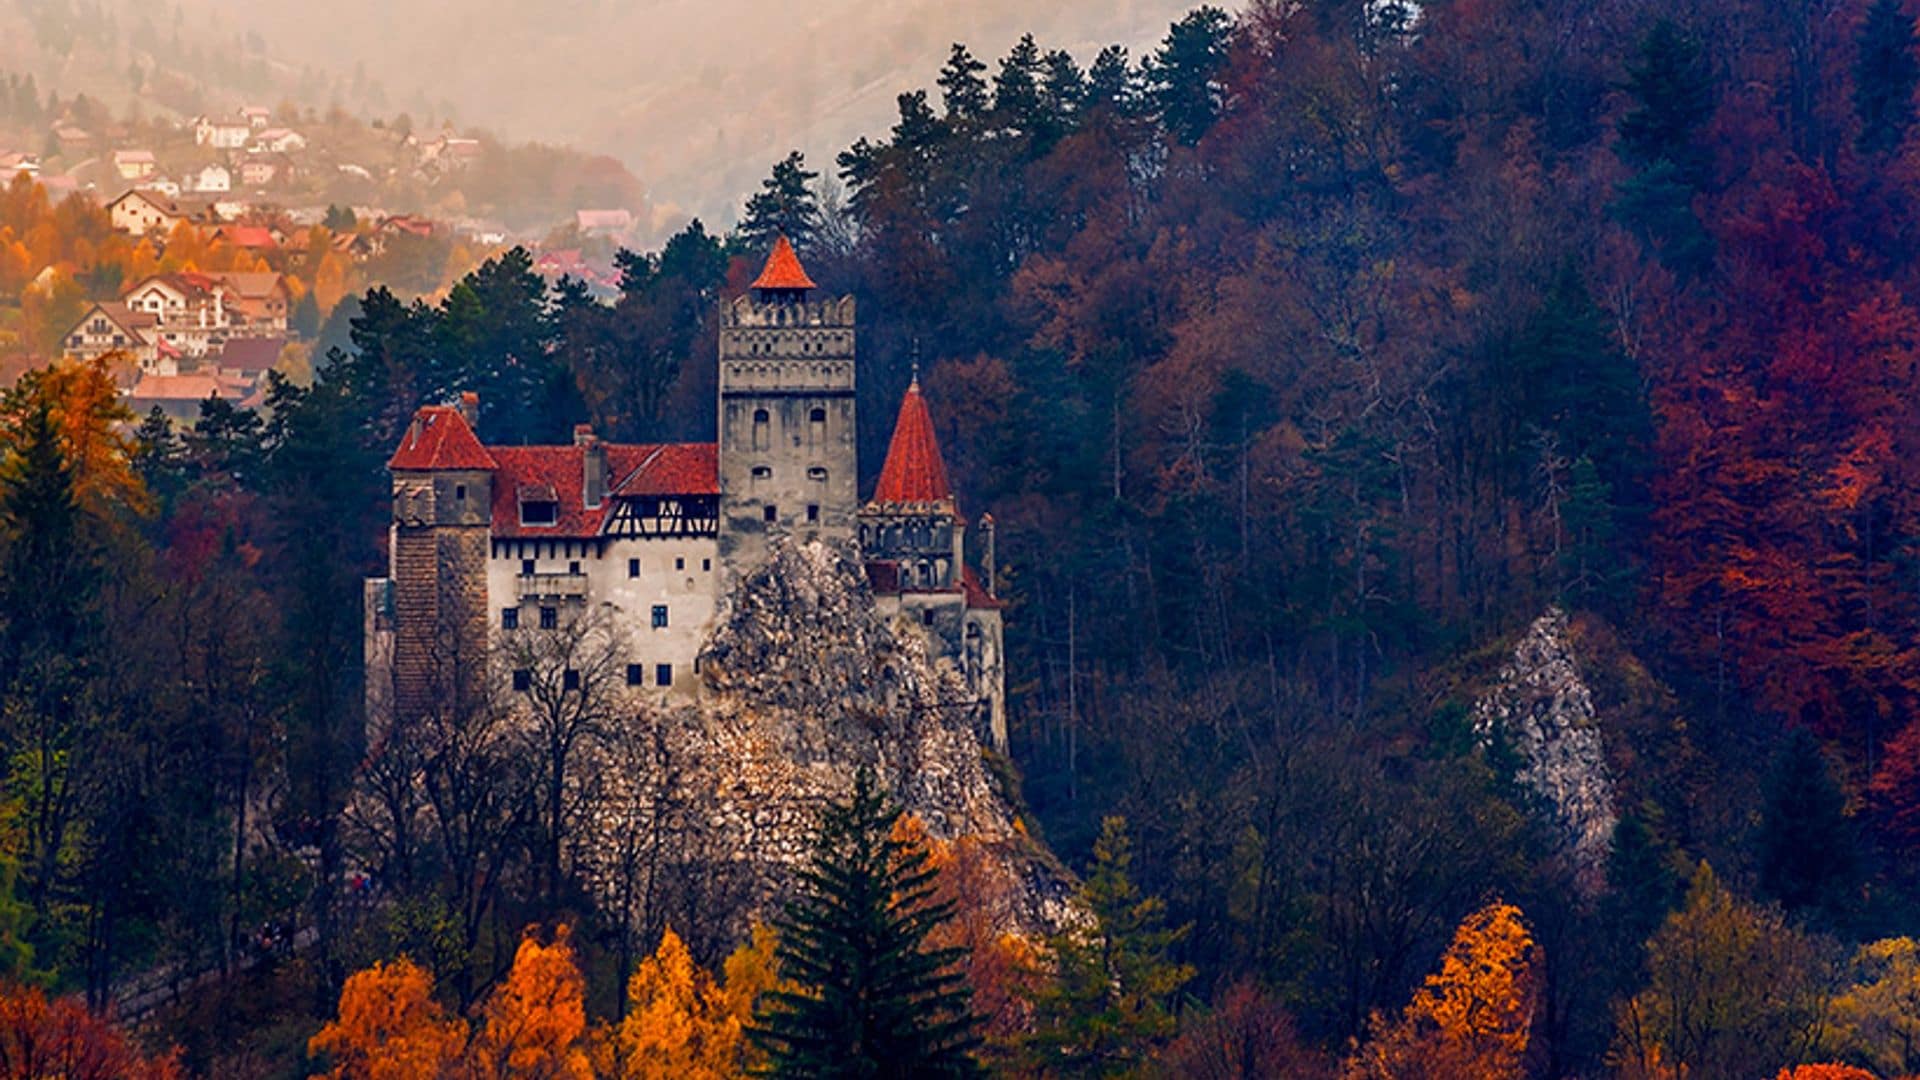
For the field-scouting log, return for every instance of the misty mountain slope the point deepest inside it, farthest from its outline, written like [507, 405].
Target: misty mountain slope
[698, 98]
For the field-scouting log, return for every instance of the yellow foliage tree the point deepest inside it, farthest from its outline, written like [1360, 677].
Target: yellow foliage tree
[1878, 1018]
[1473, 1019]
[390, 1028]
[679, 1024]
[535, 1021]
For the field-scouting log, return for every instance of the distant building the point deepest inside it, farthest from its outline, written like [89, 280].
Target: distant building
[255, 172]
[109, 327]
[135, 164]
[258, 238]
[249, 358]
[278, 141]
[605, 223]
[179, 396]
[221, 134]
[209, 180]
[256, 116]
[14, 163]
[259, 302]
[141, 212]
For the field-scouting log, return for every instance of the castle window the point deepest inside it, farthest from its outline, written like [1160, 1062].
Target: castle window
[659, 616]
[679, 563]
[570, 680]
[510, 618]
[818, 473]
[526, 567]
[636, 675]
[633, 567]
[460, 493]
[813, 512]
[762, 430]
[549, 618]
[768, 513]
[522, 680]
[706, 564]
[573, 567]
[539, 513]
[817, 425]
[926, 616]
[663, 674]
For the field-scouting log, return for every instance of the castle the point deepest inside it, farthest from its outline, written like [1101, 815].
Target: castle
[495, 543]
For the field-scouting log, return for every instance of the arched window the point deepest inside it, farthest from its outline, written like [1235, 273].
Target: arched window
[762, 430]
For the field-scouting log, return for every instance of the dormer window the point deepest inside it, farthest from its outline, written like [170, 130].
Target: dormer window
[539, 512]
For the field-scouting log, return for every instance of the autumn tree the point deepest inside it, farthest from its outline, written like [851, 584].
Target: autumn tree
[868, 995]
[1474, 1017]
[680, 1022]
[1876, 1017]
[59, 1039]
[389, 1027]
[1109, 1000]
[1733, 990]
[533, 1026]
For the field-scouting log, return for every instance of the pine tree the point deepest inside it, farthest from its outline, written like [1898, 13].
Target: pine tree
[1111, 999]
[1884, 76]
[869, 998]
[1111, 83]
[784, 206]
[1672, 92]
[961, 87]
[1185, 73]
[1807, 854]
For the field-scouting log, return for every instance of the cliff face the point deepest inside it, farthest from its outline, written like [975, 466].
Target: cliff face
[806, 683]
[1542, 705]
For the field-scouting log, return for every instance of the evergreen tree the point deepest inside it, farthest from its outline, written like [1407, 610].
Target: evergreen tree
[1672, 91]
[1111, 82]
[1807, 854]
[961, 87]
[339, 219]
[1884, 76]
[159, 457]
[1111, 998]
[1185, 74]
[1016, 88]
[870, 999]
[784, 206]
[305, 320]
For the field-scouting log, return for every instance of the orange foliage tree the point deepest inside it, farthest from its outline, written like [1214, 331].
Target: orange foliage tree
[680, 1023]
[59, 1039]
[1474, 1017]
[1825, 1072]
[535, 1021]
[390, 1028]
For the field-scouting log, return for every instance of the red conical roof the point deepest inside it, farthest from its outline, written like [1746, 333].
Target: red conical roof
[783, 269]
[439, 438]
[914, 472]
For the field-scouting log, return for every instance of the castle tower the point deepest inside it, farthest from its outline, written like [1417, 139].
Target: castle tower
[436, 602]
[787, 443]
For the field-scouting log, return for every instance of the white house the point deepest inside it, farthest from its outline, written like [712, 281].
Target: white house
[213, 178]
[110, 327]
[256, 116]
[278, 141]
[255, 172]
[141, 212]
[135, 164]
[221, 134]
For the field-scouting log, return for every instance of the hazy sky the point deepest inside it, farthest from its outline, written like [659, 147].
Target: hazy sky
[698, 97]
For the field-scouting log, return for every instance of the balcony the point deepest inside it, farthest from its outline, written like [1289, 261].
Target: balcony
[552, 586]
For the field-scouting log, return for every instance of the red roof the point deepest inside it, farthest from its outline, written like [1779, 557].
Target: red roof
[439, 438]
[559, 473]
[249, 236]
[977, 594]
[914, 472]
[783, 269]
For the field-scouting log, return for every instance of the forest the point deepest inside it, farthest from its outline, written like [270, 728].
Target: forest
[1308, 363]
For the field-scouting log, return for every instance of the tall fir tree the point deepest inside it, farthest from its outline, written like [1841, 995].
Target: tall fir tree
[962, 88]
[785, 205]
[1186, 73]
[1114, 987]
[1885, 72]
[1807, 854]
[1672, 93]
[870, 999]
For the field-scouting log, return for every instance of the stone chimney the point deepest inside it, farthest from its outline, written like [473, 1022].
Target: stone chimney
[469, 407]
[593, 463]
[988, 562]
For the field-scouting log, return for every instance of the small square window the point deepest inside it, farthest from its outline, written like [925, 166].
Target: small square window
[570, 680]
[663, 674]
[636, 675]
[679, 563]
[522, 680]
[813, 512]
[926, 616]
[526, 567]
[573, 567]
[659, 616]
[549, 618]
[510, 618]
[633, 567]
[460, 492]
[768, 512]
[706, 564]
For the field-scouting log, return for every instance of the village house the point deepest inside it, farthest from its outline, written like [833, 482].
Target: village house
[212, 179]
[278, 141]
[109, 326]
[612, 224]
[140, 212]
[189, 310]
[259, 302]
[257, 172]
[135, 164]
[161, 185]
[256, 238]
[248, 359]
[179, 396]
[256, 116]
[14, 162]
[221, 134]
[73, 140]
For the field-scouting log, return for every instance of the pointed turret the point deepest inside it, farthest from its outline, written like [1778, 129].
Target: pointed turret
[783, 275]
[914, 473]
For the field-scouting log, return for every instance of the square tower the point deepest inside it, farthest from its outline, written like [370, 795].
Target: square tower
[787, 459]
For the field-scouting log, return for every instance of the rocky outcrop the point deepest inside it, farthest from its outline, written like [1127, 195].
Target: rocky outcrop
[805, 683]
[1543, 708]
